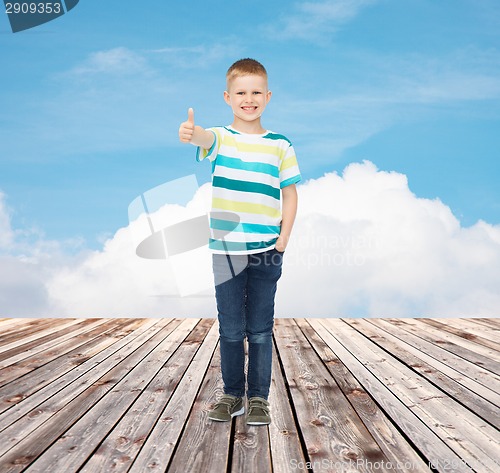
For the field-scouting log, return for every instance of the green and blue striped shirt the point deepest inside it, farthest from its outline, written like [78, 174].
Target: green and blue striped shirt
[248, 173]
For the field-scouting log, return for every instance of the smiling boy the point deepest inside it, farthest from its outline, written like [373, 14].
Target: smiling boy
[254, 203]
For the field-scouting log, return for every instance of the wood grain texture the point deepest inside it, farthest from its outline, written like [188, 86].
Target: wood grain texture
[394, 445]
[132, 395]
[331, 428]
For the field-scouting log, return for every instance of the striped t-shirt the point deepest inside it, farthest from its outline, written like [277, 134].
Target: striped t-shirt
[248, 173]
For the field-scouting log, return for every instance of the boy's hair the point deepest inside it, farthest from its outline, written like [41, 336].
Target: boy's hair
[245, 67]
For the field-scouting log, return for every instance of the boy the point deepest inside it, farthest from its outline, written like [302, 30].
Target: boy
[253, 170]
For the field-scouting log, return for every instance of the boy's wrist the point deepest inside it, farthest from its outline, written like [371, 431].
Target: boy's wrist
[202, 137]
[282, 242]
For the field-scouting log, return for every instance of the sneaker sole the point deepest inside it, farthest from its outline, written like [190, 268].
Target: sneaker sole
[234, 414]
[257, 423]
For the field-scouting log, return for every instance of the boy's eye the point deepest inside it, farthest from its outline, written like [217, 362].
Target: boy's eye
[257, 93]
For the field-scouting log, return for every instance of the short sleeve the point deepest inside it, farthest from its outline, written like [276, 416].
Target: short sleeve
[211, 154]
[289, 168]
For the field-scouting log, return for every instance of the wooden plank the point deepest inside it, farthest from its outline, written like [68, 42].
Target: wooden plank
[64, 411]
[286, 450]
[155, 429]
[462, 371]
[461, 338]
[250, 445]
[9, 322]
[80, 377]
[16, 325]
[159, 446]
[28, 361]
[467, 330]
[69, 453]
[472, 326]
[32, 327]
[416, 360]
[493, 324]
[204, 444]
[199, 443]
[251, 449]
[471, 437]
[443, 335]
[394, 445]
[25, 343]
[425, 440]
[331, 429]
[15, 354]
[119, 449]
[51, 365]
[476, 354]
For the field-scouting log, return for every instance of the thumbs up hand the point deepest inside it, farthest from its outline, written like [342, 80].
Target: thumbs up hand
[186, 130]
[196, 135]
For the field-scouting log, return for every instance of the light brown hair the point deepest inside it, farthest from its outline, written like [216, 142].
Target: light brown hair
[245, 67]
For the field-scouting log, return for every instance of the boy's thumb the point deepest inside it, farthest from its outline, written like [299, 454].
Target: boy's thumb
[191, 116]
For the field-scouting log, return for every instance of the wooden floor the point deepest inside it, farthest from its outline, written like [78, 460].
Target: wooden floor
[116, 395]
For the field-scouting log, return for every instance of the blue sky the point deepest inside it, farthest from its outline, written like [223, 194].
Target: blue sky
[90, 103]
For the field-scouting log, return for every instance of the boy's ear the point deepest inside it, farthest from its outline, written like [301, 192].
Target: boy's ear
[268, 96]
[226, 97]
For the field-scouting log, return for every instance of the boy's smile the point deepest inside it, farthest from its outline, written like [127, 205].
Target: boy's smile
[249, 108]
[247, 96]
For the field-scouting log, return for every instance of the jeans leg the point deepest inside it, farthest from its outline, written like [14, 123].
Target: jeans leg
[264, 270]
[231, 297]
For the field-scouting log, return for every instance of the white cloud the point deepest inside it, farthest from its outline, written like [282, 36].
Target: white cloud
[363, 245]
[200, 55]
[112, 61]
[371, 247]
[116, 282]
[312, 21]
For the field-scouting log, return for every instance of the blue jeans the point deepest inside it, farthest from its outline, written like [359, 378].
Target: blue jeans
[245, 286]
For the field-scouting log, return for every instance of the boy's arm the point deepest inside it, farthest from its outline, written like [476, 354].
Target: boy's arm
[196, 135]
[288, 212]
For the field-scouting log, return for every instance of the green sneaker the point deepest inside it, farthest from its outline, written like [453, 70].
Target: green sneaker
[226, 408]
[258, 411]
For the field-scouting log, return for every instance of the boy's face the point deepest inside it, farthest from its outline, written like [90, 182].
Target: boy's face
[248, 96]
